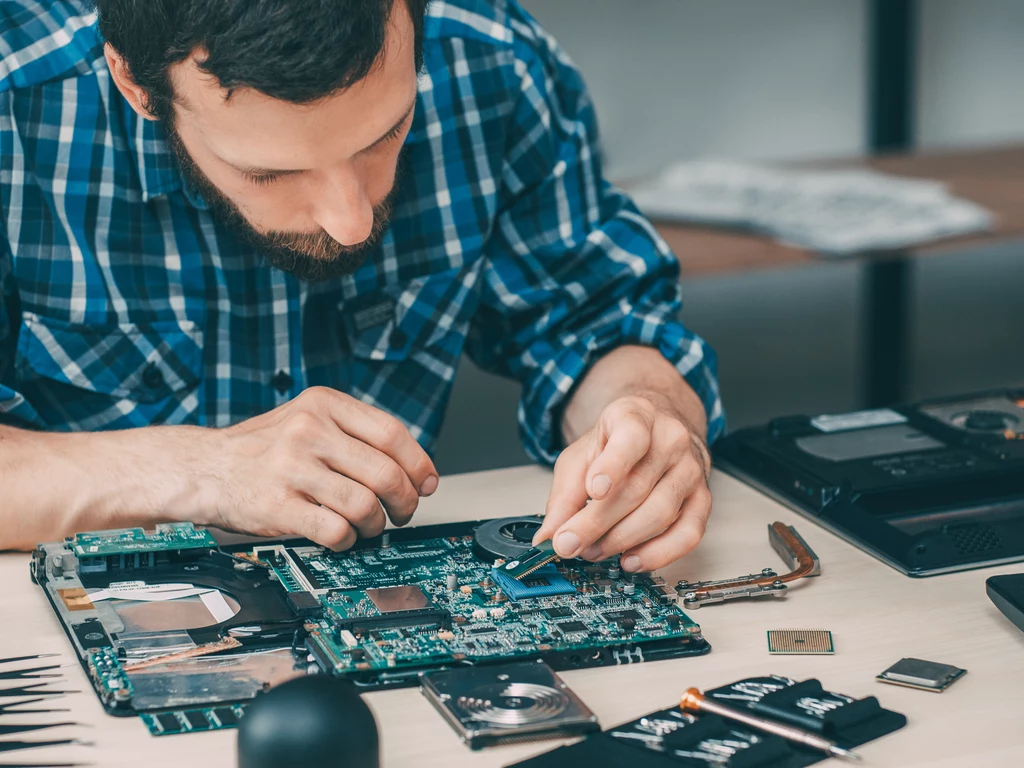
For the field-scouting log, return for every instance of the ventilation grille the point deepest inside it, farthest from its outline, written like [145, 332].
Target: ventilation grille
[973, 538]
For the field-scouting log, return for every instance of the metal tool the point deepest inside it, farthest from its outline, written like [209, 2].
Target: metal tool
[31, 672]
[13, 746]
[13, 659]
[12, 708]
[10, 730]
[787, 543]
[695, 701]
[30, 690]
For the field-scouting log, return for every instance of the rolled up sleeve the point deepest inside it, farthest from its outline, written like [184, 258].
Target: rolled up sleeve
[572, 269]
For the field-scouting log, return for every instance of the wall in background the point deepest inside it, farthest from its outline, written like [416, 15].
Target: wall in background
[779, 80]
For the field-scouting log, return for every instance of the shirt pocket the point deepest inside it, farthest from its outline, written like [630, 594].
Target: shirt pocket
[93, 377]
[432, 311]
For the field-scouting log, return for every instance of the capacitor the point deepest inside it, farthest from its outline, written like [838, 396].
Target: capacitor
[614, 573]
[452, 582]
[465, 589]
[629, 589]
[480, 613]
[385, 540]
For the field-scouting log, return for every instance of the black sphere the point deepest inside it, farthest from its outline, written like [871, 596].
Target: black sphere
[310, 721]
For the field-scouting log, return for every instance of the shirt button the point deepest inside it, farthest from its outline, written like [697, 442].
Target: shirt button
[282, 382]
[152, 376]
[398, 338]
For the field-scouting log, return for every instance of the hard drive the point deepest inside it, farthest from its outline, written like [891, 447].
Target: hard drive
[505, 703]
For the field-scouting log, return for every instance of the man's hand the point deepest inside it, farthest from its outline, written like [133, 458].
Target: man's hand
[315, 466]
[645, 471]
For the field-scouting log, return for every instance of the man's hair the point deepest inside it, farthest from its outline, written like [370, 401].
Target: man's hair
[294, 50]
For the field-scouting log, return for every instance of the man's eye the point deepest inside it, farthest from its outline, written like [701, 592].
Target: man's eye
[261, 179]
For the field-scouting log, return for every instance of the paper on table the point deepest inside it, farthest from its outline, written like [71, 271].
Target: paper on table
[833, 212]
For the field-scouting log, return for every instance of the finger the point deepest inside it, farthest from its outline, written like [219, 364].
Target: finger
[321, 525]
[568, 494]
[351, 500]
[388, 435]
[598, 517]
[374, 470]
[626, 428]
[657, 512]
[679, 539]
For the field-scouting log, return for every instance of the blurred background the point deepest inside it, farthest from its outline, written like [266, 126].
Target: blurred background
[801, 80]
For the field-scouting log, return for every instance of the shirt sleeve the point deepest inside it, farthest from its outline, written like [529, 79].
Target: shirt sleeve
[15, 410]
[572, 269]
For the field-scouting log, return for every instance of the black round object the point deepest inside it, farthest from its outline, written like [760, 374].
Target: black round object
[310, 721]
[505, 538]
[988, 421]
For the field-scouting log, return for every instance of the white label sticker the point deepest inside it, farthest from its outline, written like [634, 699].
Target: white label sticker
[842, 422]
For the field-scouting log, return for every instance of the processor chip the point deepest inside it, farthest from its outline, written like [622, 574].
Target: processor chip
[924, 675]
[813, 642]
[407, 597]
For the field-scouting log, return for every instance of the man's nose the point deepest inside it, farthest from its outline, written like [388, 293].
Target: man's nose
[342, 207]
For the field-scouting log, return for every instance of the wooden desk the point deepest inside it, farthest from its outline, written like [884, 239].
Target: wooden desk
[993, 178]
[876, 614]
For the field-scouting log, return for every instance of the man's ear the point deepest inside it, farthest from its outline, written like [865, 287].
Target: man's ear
[122, 75]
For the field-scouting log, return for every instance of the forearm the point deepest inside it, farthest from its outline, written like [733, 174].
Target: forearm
[55, 484]
[632, 371]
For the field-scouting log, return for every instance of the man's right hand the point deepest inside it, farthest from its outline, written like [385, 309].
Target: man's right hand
[316, 466]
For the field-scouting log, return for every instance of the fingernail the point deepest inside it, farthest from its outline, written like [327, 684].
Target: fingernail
[591, 553]
[567, 544]
[631, 563]
[601, 485]
[429, 486]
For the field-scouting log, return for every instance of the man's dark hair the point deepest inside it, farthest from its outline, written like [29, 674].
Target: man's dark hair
[293, 50]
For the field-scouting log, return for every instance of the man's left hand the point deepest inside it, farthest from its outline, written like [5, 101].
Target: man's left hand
[645, 472]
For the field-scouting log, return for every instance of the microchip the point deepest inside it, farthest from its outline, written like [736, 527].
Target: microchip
[407, 597]
[570, 627]
[530, 560]
[924, 675]
[303, 603]
[226, 716]
[557, 613]
[197, 720]
[543, 583]
[624, 614]
[482, 630]
[812, 642]
[168, 722]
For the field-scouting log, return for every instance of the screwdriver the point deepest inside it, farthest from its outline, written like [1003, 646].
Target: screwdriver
[694, 701]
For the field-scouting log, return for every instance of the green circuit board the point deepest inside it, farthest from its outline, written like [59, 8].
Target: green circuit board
[434, 601]
[168, 537]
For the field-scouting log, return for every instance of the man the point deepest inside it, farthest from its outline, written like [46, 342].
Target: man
[248, 231]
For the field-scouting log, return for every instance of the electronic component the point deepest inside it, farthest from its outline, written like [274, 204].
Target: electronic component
[813, 642]
[927, 488]
[504, 538]
[190, 720]
[544, 582]
[530, 561]
[507, 702]
[168, 537]
[695, 702]
[787, 543]
[378, 616]
[925, 675]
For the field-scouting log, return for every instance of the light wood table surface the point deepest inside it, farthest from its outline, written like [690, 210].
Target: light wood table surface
[876, 614]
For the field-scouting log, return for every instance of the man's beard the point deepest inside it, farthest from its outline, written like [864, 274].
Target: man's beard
[314, 257]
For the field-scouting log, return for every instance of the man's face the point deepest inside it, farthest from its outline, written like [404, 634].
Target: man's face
[310, 185]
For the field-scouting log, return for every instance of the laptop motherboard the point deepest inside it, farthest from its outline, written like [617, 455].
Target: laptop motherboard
[173, 627]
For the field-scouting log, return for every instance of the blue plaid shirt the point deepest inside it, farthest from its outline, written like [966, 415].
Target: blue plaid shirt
[124, 303]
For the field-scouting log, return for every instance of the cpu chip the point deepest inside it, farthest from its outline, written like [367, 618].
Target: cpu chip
[924, 675]
[811, 642]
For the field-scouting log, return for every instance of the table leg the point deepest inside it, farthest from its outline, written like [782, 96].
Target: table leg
[887, 293]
